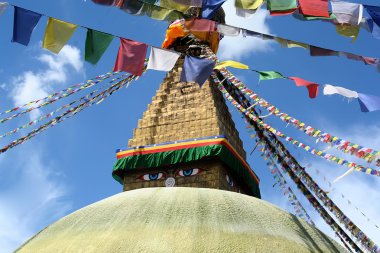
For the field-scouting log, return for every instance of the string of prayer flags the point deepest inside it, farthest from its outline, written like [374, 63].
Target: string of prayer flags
[57, 34]
[96, 44]
[196, 70]
[269, 75]
[3, 7]
[233, 64]
[161, 59]
[347, 30]
[367, 154]
[24, 23]
[347, 13]
[209, 7]
[369, 103]
[311, 87]
[374, 12]
[131, 57]
[281, 7]
[316, 8]
[330, 90]
[228, 30]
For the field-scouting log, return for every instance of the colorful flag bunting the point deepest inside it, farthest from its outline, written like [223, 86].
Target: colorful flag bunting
[196, 70]
[3, 7]
[347, 13]
[282, 7]
[96, 44]
[131, 57]
[24, 23]
[374, 12]
[369, 103]
[248, 4]
[159, 13]
[311, 87]
[57, 34]
[161, 59]
[233, 64]
[209, 7]
[228, 30]
[317, 8]
[330, 90]
[269, 75]
[319, 51]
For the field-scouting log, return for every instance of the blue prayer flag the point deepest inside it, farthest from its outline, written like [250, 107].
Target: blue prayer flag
[24, 23]
[369, 103]
[196, 70]
[209, 7]
[375, 29]
[374, 12]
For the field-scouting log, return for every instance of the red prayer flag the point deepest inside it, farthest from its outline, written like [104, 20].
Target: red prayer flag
[200, 25]
[311, 87]
[316, 8]
[131, 57]
[319, 51]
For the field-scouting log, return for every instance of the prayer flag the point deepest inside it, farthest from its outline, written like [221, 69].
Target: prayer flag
[330, 90]
[369, 103]
[373, 28]
[209, 7]
[196, 70]
[251, 34]
[173, 5]
[233, 64]
[161, 59]
[3, 7]
[133, 7]
[269, 75]
[347, 30]
[228, 30]
[159, 13]
[318, 51]
[374, 12]
[244, 13]
[131, 57]
[347, 13]
[96, 44]
[311, 87]
[316, 8]
[248, 4]
[24, 23]
[200, 25]
[193, 3]
[57, 34]
[292, 44]
[282, 7]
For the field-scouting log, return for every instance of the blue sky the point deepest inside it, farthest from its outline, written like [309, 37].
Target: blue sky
[69, 166]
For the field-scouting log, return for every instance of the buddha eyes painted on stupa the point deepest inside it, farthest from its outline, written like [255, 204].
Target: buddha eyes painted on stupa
[163, 175]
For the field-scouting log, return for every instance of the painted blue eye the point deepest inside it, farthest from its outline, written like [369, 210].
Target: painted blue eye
[151, 176]
[188, 172]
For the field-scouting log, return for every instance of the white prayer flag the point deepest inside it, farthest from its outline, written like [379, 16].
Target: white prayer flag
[347, 13]
[3, 6]
[161, 59]
[228, 30]
[330, 90]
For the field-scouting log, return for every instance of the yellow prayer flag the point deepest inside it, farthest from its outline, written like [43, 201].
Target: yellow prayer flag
[233, 64]
[248, 4]
[292, 44]
[347, 30]
[57, 34]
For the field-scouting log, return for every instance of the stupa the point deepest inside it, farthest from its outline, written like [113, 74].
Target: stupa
[187, 185]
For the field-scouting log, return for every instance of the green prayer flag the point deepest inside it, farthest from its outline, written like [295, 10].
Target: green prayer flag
[96, 44]
[281, 5]
[268, 75]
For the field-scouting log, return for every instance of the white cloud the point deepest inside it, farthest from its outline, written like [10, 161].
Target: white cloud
[32, 85]
[238, 47]
[33, 200]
